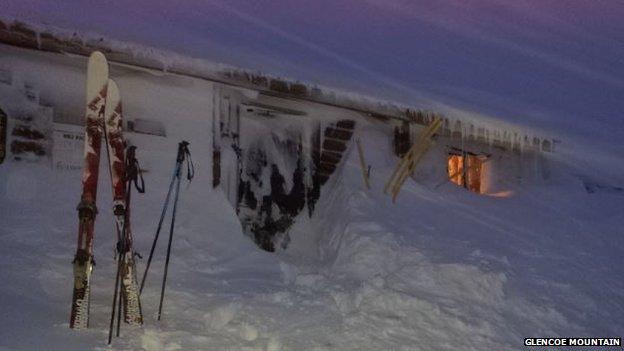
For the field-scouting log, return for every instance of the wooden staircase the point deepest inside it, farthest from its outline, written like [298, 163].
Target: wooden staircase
[336, 137]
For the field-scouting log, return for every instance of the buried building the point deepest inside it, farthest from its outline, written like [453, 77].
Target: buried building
[273, 155]
[276, 144]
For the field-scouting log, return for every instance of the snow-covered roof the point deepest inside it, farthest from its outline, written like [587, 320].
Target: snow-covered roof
[550, 65]
[48, 38]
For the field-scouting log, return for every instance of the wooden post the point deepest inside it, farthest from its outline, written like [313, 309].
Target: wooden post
[362, 163]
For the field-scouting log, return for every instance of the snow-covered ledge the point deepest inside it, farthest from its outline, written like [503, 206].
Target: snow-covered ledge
[456, 122]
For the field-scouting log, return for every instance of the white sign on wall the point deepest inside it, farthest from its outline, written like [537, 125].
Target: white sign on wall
[68, 147]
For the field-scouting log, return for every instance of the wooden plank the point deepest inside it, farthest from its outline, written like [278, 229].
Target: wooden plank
[413, 165]
[362, 163]
[403, 165]
[406, 166]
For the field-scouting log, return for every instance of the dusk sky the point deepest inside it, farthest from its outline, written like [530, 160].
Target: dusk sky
[557, 65]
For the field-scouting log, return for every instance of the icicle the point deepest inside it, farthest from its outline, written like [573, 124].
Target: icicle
[38, 38]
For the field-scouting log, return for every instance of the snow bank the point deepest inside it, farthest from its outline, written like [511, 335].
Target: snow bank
[435, 272]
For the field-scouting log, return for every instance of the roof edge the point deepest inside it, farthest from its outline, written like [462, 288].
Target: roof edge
[60, 41]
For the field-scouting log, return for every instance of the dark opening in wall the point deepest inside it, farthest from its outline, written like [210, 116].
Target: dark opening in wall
[401, 141]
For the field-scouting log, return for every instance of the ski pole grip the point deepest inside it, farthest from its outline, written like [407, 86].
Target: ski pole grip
[131, 152]
[133, 170]
[185, 153]
[182, 150]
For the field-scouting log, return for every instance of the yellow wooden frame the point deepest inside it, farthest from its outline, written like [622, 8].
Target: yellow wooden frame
[405, 167]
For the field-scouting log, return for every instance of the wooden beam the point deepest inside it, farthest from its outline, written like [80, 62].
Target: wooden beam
[362, 164]
[405, 167]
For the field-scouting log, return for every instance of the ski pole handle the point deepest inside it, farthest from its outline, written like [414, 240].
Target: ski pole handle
[133, 170]
[182, 150]
[185, 153]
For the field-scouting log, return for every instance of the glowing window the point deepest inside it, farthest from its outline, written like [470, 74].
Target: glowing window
[465, 170]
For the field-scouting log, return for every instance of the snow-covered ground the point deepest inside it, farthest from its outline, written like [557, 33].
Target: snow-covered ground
[442, 269]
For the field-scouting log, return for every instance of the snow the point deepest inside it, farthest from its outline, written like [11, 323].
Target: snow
[443, 269]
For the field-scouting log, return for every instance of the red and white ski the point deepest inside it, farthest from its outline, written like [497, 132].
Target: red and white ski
[97, 81]
[121, 196]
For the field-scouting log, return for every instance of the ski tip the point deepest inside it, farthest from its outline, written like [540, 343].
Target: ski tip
[97, 57]
[113, 92]
[97, 75]
[97, 61]
[113, 100]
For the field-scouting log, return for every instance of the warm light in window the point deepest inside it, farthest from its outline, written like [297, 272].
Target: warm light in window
[465, 171]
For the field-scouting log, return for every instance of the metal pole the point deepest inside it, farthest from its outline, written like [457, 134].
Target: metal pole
[173, 216]
[160, 222]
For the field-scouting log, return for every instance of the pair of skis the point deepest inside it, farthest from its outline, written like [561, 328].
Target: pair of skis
[103, 119]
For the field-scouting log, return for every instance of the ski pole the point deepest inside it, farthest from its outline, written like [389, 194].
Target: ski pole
[129, 157]
[173, 217]
[121, 251]
[112, 320]
[133, 172]
[160, 222]
[183, 153]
